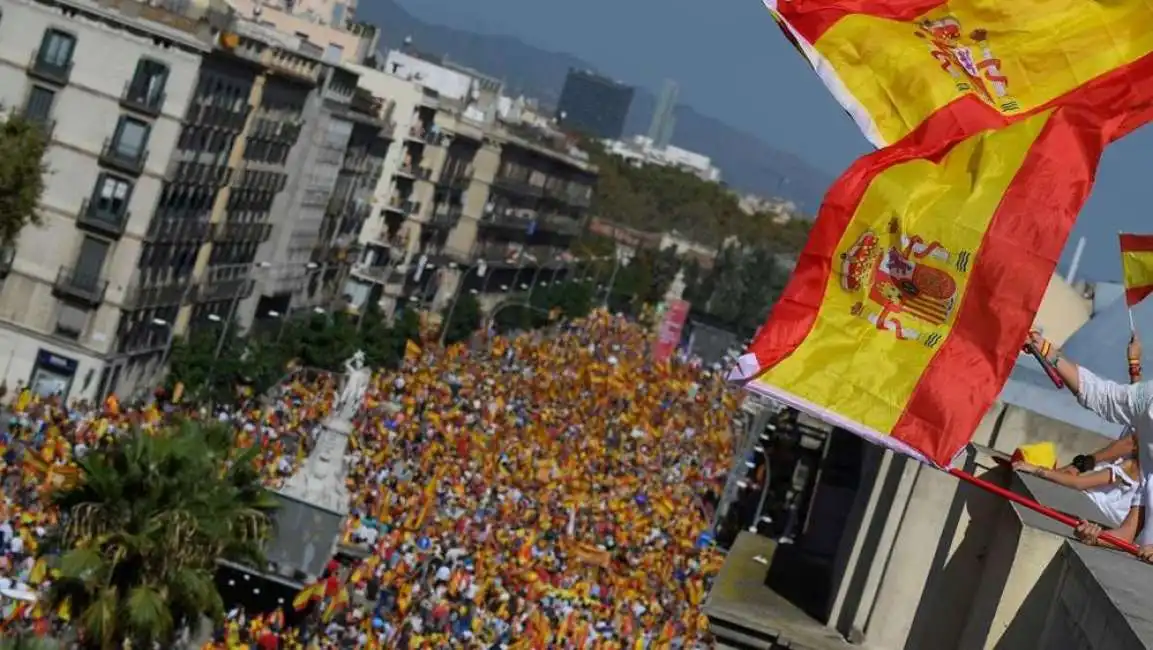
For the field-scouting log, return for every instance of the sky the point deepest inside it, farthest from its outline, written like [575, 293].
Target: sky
[732, 63]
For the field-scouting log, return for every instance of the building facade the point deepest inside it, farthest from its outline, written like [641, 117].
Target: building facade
[469, 202]
[595, 105]
[640, 150]
[111, 91]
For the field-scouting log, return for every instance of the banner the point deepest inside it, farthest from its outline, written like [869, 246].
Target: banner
[921, 277]
[669, 334]
[894, 63]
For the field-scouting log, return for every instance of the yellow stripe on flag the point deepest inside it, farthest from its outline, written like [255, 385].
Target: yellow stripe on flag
[1137, 269]
[1014, 56]
[847, 364]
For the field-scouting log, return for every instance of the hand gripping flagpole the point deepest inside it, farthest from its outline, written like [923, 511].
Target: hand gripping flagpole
[1041, 509]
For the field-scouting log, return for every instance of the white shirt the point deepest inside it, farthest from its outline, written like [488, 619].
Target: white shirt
[1115, 499]
[1130, 405]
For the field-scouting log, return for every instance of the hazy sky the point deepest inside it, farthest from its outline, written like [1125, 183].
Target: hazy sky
[733, 64]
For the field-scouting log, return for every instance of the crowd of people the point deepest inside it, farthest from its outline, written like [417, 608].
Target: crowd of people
[538, 491]
[43, 435]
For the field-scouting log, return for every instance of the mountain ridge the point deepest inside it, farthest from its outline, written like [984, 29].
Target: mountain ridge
[747, 163]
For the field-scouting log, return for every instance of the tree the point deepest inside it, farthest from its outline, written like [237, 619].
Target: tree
[665, 266]
[724, 302]
[205, 374]
[142, 530]
[22, 169]
[28, 642]
[763, 280]
[465, 319]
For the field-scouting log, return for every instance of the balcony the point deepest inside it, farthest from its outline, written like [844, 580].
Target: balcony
[505, 220]
[576, 196]
[445, 218]
[459, 180]
[101, 222]
[214, 290]
[518, 186]
[560, 224]
[173, 293]
[233, 232]
[168, 230]
[140, 100]
[406, 207]
[407, 170]
[79, 286]
[219, 116]
[49, 71]
[126, 161]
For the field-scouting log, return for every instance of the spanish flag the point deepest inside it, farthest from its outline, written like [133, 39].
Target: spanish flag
[1137, 267]
[894, 63]
[308, 595]
[922, 275]
[411, 352]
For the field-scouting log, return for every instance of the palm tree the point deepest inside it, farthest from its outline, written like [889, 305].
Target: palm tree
[141, 532]
[27, 642]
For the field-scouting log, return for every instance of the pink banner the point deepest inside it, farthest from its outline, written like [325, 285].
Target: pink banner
[669, 334]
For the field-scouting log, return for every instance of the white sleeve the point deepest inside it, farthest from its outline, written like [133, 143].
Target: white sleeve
[1111, 401]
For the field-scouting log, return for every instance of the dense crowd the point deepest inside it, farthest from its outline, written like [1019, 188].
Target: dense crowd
[524, 492]
[540, 491]
[44, 434]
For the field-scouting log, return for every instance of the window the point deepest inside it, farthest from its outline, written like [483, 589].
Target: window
[90, 262]
[38, 108]
[338, 15]
[71, 321]
[56, 48]
[131, 138]
[111, 196]
[147, 86]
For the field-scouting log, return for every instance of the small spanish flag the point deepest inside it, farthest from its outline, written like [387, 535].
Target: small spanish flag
[1137, 267]
[338, 602]
[310, 594]
[411, 352]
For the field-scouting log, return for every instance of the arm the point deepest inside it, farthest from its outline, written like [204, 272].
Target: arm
[1088, 532]
[1113, 402]
[1086, 481]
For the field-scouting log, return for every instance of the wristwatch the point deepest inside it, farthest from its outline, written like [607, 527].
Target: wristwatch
[1084, 462]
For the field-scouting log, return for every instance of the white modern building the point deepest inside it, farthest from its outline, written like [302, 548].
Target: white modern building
[111, 92]
[640, 151]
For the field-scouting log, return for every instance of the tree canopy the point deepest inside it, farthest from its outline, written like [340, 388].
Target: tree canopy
[142, 530]
[666, 199]
[22, 146]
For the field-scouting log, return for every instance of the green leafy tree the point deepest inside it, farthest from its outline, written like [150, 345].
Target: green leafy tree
[664, 267]
[142, 530]
[22, 146]
[205, 374]
[28, 642]
[377, 339]
[763, 279]
[724, 302]
[465, 319]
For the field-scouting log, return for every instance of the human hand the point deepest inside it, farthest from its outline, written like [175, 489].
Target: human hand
[1034, 339]
[1087, 532]
[1146, 553]
[1027, 468]
[1134, 349]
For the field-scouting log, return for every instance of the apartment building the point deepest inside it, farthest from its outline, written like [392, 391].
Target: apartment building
[110, 88]
[216, 205]
[328, 28]
[473, 199]
[324, 204]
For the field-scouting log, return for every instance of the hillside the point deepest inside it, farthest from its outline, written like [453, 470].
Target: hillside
[747, 163]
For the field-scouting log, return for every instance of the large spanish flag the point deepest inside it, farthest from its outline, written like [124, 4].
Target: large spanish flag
[893, 63]
[922, 275]
[1137, 267]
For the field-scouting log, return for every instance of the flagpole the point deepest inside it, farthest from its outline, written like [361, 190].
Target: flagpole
[1128, 307]
[1039, 508]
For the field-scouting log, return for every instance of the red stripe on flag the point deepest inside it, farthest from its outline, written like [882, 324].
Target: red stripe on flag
[1137, 294]
[1125, 94]
[1136, 243]
[812, 18]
